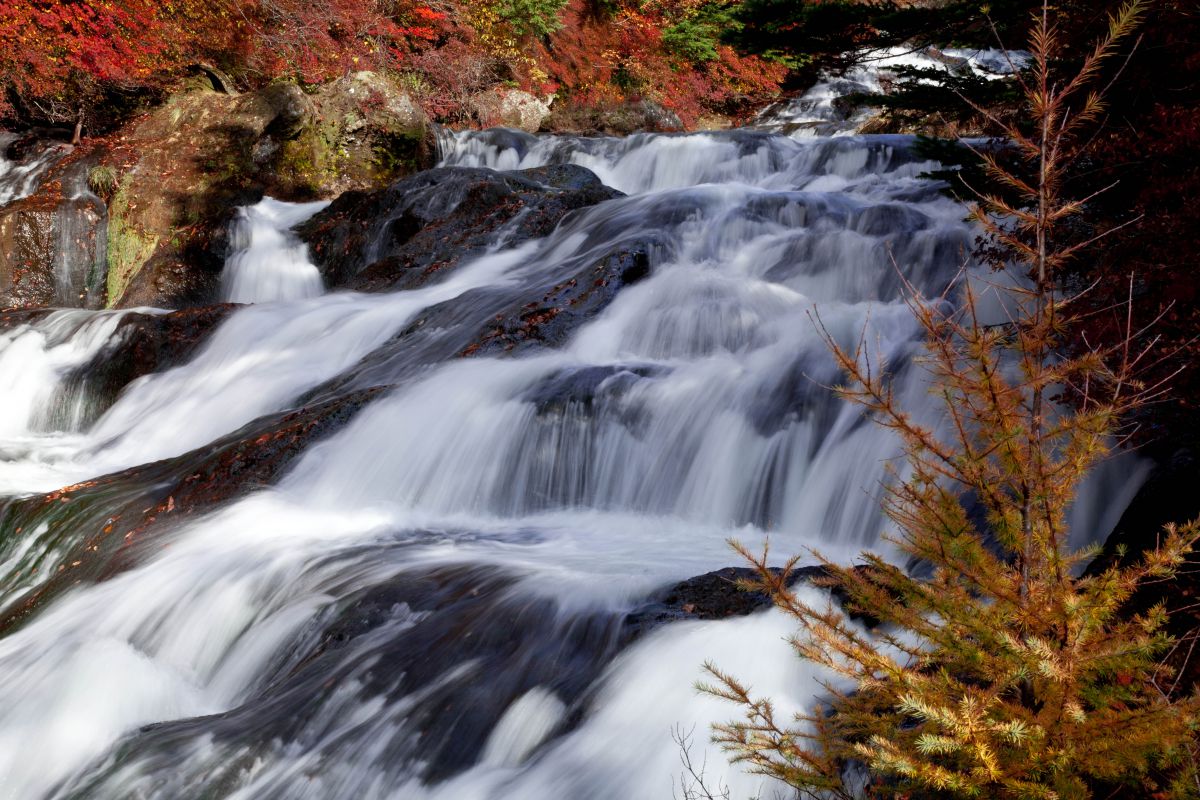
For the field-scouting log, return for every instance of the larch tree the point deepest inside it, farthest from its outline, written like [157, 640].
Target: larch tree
[1001, 670]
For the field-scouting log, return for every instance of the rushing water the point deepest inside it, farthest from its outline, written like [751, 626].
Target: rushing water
[268, 262]
[433, 601]
[19, 177]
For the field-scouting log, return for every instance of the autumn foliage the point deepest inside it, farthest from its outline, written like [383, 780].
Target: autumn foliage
[63, 59]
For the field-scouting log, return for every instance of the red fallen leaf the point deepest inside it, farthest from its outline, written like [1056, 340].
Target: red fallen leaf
[170, 503]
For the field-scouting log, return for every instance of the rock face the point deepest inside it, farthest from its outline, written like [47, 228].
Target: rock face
[26, 254]
[402, 236]
[52, 242]
[185, 166]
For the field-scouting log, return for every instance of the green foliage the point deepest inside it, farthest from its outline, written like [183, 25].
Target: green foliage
[531, 17]
[103, 180]
[1002, 673]
[695, 36]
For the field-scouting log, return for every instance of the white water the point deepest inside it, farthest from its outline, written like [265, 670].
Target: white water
[556, 491]
[818, 112]
[20, 178]
[267, 262]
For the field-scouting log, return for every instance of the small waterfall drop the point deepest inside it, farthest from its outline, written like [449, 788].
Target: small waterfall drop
[267, 262]
[19, 178]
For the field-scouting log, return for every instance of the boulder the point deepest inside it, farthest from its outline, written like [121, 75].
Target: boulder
[510, 108]
[618, 119]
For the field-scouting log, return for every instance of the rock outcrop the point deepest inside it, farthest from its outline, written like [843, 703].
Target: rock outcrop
[173, 176]
[405, 235]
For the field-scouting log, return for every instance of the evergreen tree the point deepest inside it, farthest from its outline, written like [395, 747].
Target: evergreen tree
[1003, 672]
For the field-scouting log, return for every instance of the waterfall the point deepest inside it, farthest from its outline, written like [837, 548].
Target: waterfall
[20, 177]
[441, 599]
[267, 262]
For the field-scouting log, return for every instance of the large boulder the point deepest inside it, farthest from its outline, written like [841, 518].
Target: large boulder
[179, 171]
[359, 132]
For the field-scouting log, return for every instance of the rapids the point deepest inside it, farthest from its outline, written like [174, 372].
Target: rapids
[436, 600]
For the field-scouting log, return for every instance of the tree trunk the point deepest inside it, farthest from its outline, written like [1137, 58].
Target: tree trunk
[78, 134]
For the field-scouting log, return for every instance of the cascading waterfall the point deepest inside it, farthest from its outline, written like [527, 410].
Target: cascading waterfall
[267, 261]
[19, 178]
[434, 602]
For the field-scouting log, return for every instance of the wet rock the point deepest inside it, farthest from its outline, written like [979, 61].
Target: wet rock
[714, 595]
[549, 320]
[53, 243]
[487, 322]
[13, 317]
[446, 649]
[420, 227]
[580, 388]
[27, 249]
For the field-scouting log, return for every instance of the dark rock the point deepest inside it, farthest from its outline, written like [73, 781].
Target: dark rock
[485, 322]
[450, 648]
[549, 321]
[714, 595]
[421, 227]
[580, 387]
[12, 317]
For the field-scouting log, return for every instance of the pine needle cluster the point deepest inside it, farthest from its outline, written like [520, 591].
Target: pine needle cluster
[998, 669]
